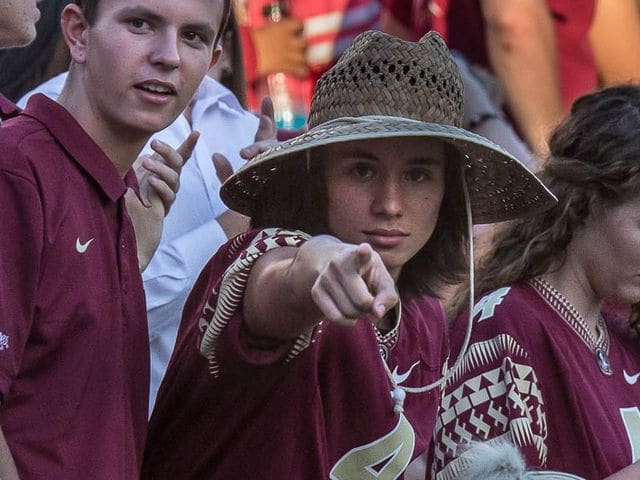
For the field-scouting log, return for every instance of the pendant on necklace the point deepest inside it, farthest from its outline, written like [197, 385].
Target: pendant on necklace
[384, 351]
[603, 361]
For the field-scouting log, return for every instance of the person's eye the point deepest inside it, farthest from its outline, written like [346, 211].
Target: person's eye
[417, 175]
[195, 37]
[363, 171]
[138, 24]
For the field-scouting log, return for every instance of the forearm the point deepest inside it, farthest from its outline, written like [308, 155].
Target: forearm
[278, 302]
[615, 28]
[522, 49]
[8, 470]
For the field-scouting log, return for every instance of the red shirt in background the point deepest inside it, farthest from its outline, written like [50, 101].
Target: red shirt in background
[572, 19]
[329, 28]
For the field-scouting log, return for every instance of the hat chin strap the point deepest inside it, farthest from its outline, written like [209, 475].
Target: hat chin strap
[398, 394]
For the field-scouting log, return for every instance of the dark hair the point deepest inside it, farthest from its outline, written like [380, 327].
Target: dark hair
[90, 10]
[302, 205]
[236, 79]
[594, 155]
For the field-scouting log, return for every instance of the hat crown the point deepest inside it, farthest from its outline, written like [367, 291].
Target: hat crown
[384, 75]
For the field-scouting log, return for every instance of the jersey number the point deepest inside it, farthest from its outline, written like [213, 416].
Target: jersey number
[384, 459]
[631, 420]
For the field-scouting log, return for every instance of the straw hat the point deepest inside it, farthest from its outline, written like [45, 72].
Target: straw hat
[387, 87]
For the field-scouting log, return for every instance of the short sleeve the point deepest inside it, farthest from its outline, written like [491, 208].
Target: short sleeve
[21, 246]
[227, 294]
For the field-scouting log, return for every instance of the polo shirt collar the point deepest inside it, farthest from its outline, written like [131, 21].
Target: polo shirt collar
[78, 144]
[8, 109]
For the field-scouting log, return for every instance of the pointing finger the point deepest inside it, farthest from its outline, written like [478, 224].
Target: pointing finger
[364, 254]
[223, 167]
[186, 148]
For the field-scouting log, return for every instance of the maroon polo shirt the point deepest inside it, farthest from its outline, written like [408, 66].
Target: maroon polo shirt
[73, 338]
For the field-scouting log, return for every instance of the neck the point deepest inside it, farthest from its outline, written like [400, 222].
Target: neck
[120, 145]
[573, 284]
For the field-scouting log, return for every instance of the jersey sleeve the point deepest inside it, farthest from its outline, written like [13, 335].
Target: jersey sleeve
[224, 336]
[21, 243]
[493, 395]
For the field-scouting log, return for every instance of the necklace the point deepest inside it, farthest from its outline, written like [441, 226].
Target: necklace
[600, 345]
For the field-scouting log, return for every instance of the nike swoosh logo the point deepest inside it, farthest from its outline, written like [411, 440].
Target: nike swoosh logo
[82, 247]
[399, 378]
[631, 379]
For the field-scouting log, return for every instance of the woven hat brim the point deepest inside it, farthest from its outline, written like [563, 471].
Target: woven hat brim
[500, 187]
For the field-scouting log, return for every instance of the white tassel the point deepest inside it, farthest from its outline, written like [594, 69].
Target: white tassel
[499, 460]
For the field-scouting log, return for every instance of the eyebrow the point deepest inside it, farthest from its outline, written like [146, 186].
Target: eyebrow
[139, 11]
[423, 161]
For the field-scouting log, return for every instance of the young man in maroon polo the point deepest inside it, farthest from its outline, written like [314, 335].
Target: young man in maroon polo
[73, 336]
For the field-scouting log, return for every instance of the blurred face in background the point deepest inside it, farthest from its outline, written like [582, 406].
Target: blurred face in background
[18, 22]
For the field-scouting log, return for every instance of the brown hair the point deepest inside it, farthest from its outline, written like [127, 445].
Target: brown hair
[302, 205]
[594, 155]
[90, 10]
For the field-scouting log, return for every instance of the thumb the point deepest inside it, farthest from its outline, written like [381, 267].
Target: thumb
[386, 297]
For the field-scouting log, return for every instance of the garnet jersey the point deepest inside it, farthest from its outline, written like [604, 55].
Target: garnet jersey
[529, 378]
[231, 406]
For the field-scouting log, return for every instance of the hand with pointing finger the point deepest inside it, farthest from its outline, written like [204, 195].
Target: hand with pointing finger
[351, 283]
[159, 180]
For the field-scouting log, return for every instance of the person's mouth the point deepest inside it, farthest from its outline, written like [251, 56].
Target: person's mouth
[385, 237]
[157, 91]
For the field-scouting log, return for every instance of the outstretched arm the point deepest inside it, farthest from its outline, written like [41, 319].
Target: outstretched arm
[290, 290]
[521, 43]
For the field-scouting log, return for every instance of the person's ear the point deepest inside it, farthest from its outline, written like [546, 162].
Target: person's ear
[216, 55]
[75, 29]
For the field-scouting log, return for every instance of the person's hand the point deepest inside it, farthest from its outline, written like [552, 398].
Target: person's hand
[158, 174]
[352, 281]
[280, 47]
[266, 134]
[159, 180]
[233, 223]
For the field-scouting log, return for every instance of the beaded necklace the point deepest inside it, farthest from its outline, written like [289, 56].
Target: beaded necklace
[599, 346]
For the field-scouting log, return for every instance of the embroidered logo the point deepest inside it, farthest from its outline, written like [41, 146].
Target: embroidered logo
[399, 378]
[487, 304]
[82, 247]
[4, 341]
[631, 379]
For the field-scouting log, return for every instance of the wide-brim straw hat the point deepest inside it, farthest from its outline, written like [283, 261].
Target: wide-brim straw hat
[385, 87]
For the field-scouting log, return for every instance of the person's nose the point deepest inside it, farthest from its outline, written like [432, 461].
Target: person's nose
[166, 50]
[388, 198]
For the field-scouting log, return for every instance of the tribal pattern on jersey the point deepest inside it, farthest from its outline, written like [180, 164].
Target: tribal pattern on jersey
[233, 286]
[493, 394]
